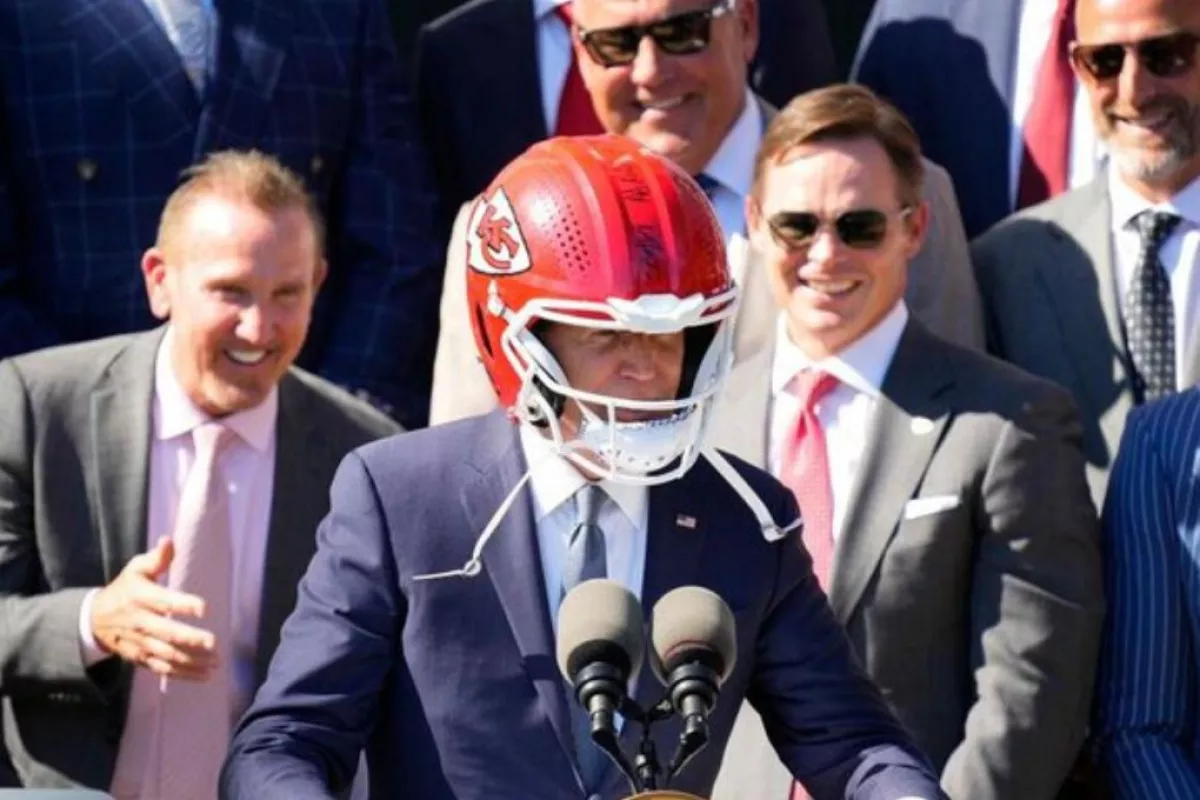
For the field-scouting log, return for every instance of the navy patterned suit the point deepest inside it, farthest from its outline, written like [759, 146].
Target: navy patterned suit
[98, 118]
[1149, 672]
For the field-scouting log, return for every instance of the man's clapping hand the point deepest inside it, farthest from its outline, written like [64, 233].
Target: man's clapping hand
[134, 618]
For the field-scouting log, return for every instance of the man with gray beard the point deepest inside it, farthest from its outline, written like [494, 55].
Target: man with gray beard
[1097, 289]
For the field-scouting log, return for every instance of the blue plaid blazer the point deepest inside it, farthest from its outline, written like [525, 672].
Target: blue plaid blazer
[1148, 718]
[98, 118]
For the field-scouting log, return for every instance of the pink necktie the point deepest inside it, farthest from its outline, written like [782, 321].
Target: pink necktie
[194, 718]
[806, 470]
[576, 115]
[1047, 129]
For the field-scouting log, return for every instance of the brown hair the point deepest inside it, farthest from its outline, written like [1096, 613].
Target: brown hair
[840, 112]
[248, 175]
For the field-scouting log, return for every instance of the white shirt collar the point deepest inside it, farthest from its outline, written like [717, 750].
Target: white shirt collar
[732, 165]
[176, 415]
[555, 481]
[543, 8]
[862, 365]
[1127, 203]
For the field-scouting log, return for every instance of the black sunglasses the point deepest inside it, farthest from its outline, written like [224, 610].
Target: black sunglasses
[861, 228]
[1165, 56]
[681, 35]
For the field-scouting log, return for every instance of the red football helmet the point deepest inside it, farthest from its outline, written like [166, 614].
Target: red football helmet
[597, 231]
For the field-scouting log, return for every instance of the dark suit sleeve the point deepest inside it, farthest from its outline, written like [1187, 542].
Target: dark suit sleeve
[21, 328]
[302, 736]
[823, 716]
[384, 262]
[39, 632]
[1147, 694]
[1036, 609]
[795, 53]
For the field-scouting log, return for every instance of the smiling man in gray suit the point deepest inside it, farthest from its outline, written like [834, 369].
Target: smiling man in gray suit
[118, 669]
[696, 109]
[942, 490]
[1097, 288]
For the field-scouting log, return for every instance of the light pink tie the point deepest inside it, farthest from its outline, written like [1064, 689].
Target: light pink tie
[194, 721]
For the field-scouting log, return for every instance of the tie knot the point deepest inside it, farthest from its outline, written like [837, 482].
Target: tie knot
[707, 185]
[564, 13]
[210, 440]
[1154, 227]
[588, 502]
[811, 385]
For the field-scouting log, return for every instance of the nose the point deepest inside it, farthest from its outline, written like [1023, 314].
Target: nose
[649, 64]
[1136, 84]
[253, 325]
[637, 359]
[824, 247]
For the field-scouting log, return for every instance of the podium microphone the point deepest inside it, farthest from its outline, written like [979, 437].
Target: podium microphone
[599, 650]
[694, 641]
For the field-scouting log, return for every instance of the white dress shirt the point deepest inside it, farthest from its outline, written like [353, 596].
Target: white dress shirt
[162, 15]
[732, 167]
[248, 465]
[1086, 153]
[846, 412]
[1178, 254]
[624, 521]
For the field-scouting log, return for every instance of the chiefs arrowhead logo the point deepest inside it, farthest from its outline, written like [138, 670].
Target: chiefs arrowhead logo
[495, 245]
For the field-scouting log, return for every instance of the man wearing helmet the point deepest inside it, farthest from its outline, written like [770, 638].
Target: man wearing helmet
[601, 308]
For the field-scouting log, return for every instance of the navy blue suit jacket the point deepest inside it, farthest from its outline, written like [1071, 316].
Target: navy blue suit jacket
[948, 65]
[451, 684]
[1149, 681]
[98, 118]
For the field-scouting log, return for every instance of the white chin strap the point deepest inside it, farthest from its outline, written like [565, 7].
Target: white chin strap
[771, 530]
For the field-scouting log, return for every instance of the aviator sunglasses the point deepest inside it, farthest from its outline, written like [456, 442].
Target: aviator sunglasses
[681, 35]
[1164, 56]
[861, 228]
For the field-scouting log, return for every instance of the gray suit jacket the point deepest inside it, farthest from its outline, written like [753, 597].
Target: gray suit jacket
[1050, 306]
[941, 292]
[967, 571]
[74, 467]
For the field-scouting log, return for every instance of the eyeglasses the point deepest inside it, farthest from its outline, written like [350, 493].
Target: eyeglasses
[861, 228]
[681, 35]
[1164, 56]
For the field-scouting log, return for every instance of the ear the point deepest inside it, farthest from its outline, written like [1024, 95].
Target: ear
[154, 272]
[916, 228]
[747, 18]
[319, 278]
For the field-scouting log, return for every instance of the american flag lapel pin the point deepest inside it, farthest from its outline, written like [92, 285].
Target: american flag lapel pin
[685, 521]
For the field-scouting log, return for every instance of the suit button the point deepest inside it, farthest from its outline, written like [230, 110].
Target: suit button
[316, 165]
[87, 169]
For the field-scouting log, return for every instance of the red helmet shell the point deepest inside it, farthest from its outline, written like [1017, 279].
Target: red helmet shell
[587, 219]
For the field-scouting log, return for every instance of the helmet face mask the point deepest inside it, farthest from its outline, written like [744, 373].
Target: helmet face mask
[595, 232]
[665, 443]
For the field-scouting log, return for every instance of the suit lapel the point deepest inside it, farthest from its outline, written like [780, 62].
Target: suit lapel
[506, 41]
[121, 413]
[741, 422]
[135, 55]
[1093, 333]
[909, 421]
[297, 505]
[512, 563]
[251, 44]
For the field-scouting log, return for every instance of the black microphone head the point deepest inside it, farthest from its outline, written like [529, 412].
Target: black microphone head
[600, 620]
[692, 623]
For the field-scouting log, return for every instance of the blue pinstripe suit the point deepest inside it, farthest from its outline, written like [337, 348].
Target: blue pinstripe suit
[98, 117]
[1149, 673]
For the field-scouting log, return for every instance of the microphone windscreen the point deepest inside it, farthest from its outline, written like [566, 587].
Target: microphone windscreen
[691, 619]
[599, 620]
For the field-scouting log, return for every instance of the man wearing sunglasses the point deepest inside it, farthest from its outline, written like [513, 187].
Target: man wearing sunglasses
[943, 491]
[671, 74]
[1097, 290]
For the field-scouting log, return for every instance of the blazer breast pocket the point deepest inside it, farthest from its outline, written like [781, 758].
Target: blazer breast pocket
[924, 506]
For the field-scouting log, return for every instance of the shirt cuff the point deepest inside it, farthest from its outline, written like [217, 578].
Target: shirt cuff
[89, 651]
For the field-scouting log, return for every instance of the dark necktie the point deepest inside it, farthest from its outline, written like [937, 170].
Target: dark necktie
[708, 185]
[1150, 315]
[586, 560]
